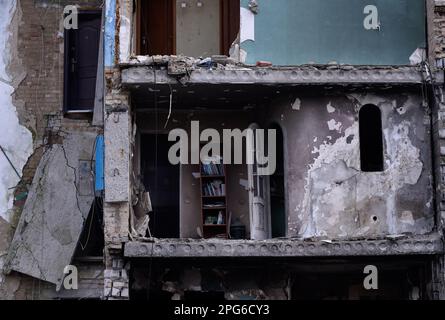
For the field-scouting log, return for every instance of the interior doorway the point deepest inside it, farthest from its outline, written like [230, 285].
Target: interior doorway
[259, 200]
[188, 27]
[81, 62]
[161, 180]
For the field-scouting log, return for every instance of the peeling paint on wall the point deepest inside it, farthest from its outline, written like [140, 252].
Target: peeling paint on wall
[330, 108]
[341, 200]
[110, 31]
[329, 196]
[247, 25]
[334, 125]
[124, 33]
[15, 139]
[296, 105]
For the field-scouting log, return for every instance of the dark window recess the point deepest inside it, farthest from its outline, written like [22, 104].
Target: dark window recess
[371, 139]
[81, 58]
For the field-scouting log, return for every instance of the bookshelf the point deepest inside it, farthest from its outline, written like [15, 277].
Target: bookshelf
[213, 199]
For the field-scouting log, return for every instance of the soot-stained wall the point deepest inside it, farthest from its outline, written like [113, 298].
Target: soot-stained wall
[327, 193]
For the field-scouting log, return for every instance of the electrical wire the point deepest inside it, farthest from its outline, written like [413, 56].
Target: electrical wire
[10, 163]
[95, 202]
[170, 107]
[156, 180]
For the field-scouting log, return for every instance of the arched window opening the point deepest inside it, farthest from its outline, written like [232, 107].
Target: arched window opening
[371, 139]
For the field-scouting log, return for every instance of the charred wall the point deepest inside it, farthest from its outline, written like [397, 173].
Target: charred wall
[328, 193]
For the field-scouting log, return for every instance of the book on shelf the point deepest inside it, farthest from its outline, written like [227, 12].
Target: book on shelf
[214, 189]
[215, 219]
[213, 198]
[213, 168]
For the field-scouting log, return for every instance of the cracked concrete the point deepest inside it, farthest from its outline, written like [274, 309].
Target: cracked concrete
[54, 213]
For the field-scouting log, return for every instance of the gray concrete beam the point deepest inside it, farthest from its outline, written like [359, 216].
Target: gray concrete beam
[213, 248]
[139, 75]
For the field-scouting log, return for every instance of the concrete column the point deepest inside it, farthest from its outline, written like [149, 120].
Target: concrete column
[118, 137]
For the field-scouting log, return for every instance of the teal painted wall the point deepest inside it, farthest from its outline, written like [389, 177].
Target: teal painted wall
[295, 32]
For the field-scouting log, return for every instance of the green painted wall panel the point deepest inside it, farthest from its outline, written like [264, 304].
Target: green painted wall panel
[294, 32]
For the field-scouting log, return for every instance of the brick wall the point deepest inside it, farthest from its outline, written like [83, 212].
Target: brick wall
[39, 98]
[438, 35]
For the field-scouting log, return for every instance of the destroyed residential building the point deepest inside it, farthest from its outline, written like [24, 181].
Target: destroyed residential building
[354, 94]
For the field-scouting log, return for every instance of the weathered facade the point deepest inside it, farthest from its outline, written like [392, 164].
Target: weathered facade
[47, 182]
[356, 101]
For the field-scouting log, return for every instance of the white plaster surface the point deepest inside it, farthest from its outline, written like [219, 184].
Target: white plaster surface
[124, 35]
[15, 139]
[247, 25]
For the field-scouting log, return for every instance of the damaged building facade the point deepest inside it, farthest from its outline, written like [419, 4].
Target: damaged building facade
[48, 139]
[353, 90]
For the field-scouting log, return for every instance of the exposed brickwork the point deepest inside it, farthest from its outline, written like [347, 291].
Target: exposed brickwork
[116, 284]
[39, 98]
[439, 32]
[437, 55]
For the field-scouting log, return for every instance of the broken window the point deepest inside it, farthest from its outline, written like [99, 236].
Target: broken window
[191, 28]
[81, 62]
[371, 139]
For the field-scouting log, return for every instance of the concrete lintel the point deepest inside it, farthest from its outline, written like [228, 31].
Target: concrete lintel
[185, 248]
[139, 75]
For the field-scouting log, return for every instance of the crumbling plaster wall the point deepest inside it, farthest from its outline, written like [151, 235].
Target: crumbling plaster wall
[119, 134]
[16, 140]
[328, 195]
[35, 90]
[436, 33]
